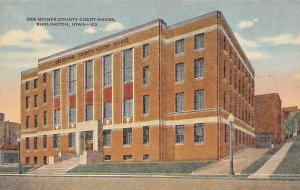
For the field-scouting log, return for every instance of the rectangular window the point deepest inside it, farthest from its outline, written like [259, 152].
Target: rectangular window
[72, 79]
[44, 141]
[230, 73]
[127, 136]
[71, 140]
[145, 50]
[44, 77]
[179, 136]
[179, 102]
[56, 82]
[27, 102]
[27, 85]
[106, 137]
[146, 75]
[55, 141]
[224, 72]
[56, 117]
[199, 41]
[145, 135]
[199, 133]
[35, 160]
[146, 156]
[127, 112]
[107, 157]
[35, 121]
[199, 68]
[27, 122]
[45, 118]
[72, 115]
[35, 83]
[27, 160]
[107, 110]
[179, 46]
[225, 133]
[45, 96]
[27, 143]
[107, 74]
[127, 157]
[179, 72]
[35, 101]
[127, 65]
[45, 161]
[146, 104]
[35, 142]
[199, 100]
[88, 112]
[224, 100]
[89, 74]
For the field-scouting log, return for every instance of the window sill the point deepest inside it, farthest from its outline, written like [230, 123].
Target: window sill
[88, 90]
[145, 58]
[179, 82]
[199, 78]
[198, 143]
[179, 54]
[106, 146]
[107, 86]
[146, 114]
[146, 144]
[199, 49]
[126, 145]
[126, 82]
[145, 85]
[71, 93]
[179, 144]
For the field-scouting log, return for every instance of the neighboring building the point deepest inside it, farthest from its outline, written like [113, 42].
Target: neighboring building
[153, 92]
[9, 132]
[268, 120]
[291, 120]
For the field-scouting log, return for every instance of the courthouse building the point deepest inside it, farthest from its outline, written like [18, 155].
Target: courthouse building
[150, 93]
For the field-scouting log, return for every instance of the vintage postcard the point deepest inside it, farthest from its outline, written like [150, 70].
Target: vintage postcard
[140, 94]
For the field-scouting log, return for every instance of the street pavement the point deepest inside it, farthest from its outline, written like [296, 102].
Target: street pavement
[242, 160]
[139, 183]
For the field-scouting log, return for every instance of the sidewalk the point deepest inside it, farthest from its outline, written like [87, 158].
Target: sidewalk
[270, 166]
[241, 161]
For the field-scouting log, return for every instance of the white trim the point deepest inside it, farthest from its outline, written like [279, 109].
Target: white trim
[29, 79]
[156, 38]
[152, 123]
[99, 43]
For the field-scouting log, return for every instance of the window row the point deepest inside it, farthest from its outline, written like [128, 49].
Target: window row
[127, 136]
[198, 43]
[198, 100]
[198, 70]
[198, 133]
[55, 137]
[126, 157]
[35, 82]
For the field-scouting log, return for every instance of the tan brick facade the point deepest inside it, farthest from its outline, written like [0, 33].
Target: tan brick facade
[161, 90]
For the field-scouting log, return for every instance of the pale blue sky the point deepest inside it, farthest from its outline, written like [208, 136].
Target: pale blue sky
[269, 32]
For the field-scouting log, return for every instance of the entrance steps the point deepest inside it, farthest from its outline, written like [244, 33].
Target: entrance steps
[57, 168]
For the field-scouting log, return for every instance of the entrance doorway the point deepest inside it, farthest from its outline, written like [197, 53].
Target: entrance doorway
[88, 140]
